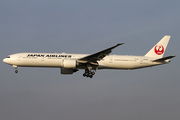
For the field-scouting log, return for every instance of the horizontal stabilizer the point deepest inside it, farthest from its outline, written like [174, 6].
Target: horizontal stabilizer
[163, 59]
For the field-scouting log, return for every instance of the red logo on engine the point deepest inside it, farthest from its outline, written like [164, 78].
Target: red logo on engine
[159, 49]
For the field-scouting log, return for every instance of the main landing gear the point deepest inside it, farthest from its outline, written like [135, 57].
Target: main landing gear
[88, 73]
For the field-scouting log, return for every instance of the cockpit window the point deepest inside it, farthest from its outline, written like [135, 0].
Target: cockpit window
[8, 57]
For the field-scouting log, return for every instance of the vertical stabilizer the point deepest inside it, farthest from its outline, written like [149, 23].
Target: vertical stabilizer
[159, 49]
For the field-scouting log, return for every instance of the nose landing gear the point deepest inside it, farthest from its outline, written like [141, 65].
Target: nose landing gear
[16, 71]
[15, 66]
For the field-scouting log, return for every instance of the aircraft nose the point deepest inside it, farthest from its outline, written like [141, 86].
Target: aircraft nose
[5, 60]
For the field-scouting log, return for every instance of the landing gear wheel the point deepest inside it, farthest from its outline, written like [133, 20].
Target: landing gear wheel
[92, 72]
[16, 71]
[89, 73]
[91, 76]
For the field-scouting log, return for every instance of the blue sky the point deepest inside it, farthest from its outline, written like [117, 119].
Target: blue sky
[87, 27]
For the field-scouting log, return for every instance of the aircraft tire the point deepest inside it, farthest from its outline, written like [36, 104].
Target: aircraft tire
[16, 71]
[93, 73]
[91, 76]
[84, 74]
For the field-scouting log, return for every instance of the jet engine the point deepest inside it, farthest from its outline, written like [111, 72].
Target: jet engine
[69, 63]
[68, 70]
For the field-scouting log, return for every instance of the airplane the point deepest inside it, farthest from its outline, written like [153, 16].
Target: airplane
[70, 63]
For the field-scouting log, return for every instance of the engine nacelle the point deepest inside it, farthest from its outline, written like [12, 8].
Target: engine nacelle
[68, 70]
[69, 63]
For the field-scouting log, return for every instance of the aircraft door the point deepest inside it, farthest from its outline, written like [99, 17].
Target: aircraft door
[19, 58]
[110, 60]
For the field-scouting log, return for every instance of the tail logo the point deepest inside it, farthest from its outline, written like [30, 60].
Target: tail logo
[159, 49]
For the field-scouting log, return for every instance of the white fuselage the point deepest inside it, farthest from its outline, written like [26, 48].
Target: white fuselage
[56, 60]
[70, 63]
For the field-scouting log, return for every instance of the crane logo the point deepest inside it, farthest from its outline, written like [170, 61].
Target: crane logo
[159, 49]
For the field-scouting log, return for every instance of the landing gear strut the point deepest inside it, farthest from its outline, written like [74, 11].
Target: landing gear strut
[88, 73]
[14, 66]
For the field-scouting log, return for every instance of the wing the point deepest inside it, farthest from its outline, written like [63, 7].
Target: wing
[97, 56]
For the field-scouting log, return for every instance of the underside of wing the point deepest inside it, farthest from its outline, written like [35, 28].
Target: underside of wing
[93, 58]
